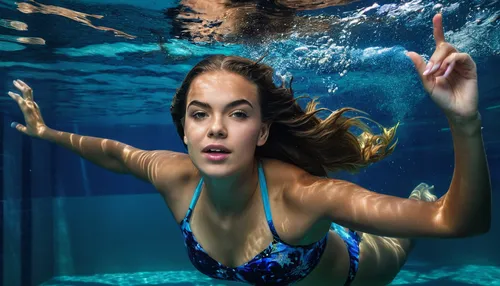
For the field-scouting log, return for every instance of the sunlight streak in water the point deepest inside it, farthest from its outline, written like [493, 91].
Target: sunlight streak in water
[15, 25]
[80, 17]
[23, 40]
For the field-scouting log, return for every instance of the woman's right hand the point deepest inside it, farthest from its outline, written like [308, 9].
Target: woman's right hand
[35, 126]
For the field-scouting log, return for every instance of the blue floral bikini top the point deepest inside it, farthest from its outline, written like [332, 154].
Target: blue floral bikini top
[279, 264]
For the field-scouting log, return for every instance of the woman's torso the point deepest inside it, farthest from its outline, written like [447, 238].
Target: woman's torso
[237, 240]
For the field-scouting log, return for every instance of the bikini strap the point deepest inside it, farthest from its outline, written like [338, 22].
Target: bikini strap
[264, 193]
[265, 200]
[196, 195]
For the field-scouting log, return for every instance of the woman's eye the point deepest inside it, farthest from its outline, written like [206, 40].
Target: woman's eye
[198, 115]
[240, 114]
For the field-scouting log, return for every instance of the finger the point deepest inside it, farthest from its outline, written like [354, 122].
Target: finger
[445, 66]
[437, 22]
[24, 88]
[419, 64]
[437, 58]
[21, 128]
[449, 69]
[29, 91]
[22, 83]
[418, 61]
[463, 59]
[18, 85]
[16, 97]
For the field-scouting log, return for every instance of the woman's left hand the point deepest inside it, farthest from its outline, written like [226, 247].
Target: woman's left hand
[450, 77]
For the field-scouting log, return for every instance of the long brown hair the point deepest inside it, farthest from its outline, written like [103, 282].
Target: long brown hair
[297, 136]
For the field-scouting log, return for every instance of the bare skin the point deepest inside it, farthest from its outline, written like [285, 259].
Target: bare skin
[229, 220]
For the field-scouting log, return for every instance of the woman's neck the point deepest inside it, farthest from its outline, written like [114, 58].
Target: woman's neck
[230, 196]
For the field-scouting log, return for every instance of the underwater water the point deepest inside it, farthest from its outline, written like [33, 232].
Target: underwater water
[110, 69]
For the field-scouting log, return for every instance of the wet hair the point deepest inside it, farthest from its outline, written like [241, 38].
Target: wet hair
[297, 135]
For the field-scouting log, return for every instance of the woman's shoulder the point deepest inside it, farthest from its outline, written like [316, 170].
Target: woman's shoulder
[273, 166]
[287, 174]
[292, 183]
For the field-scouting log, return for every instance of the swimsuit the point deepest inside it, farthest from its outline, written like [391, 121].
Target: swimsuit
[279, 264]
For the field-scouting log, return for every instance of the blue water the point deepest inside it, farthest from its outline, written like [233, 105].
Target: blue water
[67, 222]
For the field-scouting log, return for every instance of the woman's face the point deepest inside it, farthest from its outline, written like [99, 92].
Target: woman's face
[223, 123]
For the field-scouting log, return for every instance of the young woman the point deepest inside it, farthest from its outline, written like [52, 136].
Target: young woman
[251, 195]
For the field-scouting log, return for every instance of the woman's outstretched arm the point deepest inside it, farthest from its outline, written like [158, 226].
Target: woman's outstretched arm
[156, 167]
[450, 78]
[465, 209]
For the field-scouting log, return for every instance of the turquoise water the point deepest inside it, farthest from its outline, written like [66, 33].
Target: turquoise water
[421, 274]
[67, 222]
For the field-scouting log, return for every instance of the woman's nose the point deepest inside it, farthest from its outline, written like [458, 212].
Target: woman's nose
[217, 130]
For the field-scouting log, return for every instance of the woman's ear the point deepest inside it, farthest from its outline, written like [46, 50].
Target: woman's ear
[264, 134]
